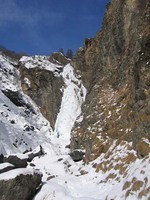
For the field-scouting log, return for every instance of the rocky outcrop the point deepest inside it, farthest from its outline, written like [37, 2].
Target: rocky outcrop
[59, 58]
[17, 98]
[44, 90]
[23, 186]
[21, 160]
[77, 155]
[16, 161]
[115, 68]
[32, 155]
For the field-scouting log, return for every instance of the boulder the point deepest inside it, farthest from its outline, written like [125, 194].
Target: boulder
[58, 58]
[143, 147]
[18, 162]
[22, 186]
[32, 155]
[77, 155]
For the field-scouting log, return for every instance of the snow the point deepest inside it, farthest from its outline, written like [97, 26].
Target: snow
[67, 182]
[13, 137]
[19, 155]
[13, 119]
[27, 81]
[8, 75]
[5, 165]
[42, 62]
[73, 97]
[16, 172]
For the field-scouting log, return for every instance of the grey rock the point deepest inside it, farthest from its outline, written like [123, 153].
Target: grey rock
[5, 167]
[77, 155]
[22, 187]
[32, 155]
[17, 162]
[1, 158]
[57, 58]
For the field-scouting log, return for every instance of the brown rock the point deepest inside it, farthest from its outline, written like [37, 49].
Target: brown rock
[59, 58]
[143, 148]
[114, 67]
[44, 90]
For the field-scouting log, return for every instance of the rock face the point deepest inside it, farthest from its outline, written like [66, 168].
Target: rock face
[44, 88]
[59, 58]
[16, 161]
[115, 68]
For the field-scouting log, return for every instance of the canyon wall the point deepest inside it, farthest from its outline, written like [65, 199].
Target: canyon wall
[115, 68]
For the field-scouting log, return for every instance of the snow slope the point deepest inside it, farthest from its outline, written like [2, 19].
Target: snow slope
[66, 180]
[22, 127]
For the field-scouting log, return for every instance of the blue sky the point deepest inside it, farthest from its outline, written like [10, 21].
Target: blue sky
[45, 26]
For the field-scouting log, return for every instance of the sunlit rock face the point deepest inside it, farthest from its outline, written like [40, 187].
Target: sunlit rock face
[115, 69]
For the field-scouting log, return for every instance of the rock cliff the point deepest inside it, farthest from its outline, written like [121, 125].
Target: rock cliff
[115, 68]
[43, 86]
